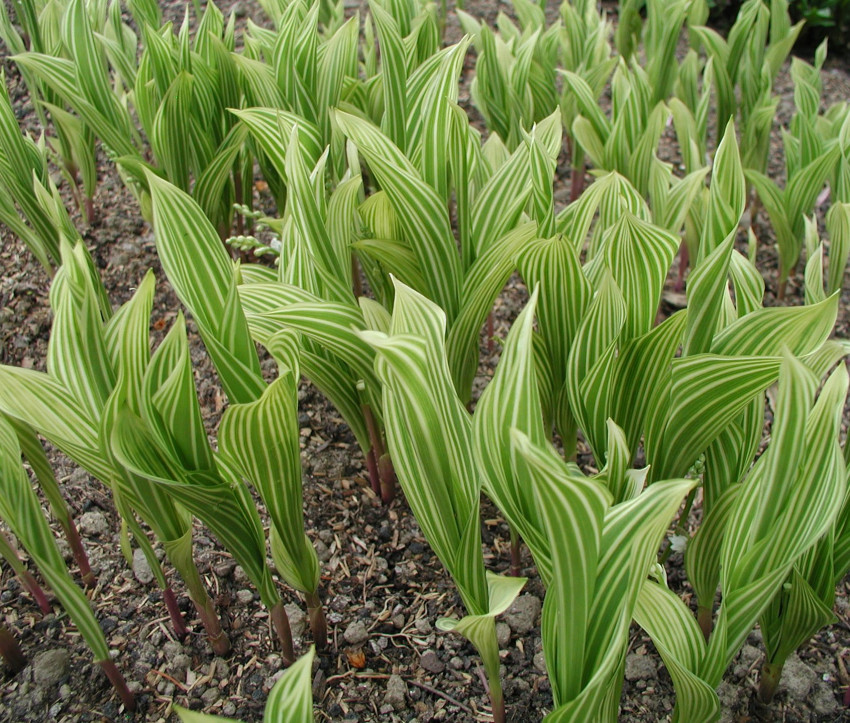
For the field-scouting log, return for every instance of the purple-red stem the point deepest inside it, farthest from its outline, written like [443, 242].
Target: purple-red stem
[704, 618]
[280, 621]
[490, 333]
[387, 473]
[684, 259]
[31, 584]
[178, 622]
[79, 553]
[318, 622]
[374, 476]
[118, 683]
[577, 182]
[10, 650]
[218, 638]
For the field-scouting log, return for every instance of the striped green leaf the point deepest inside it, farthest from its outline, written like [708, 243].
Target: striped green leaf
[420, 211]
[511, 401]
[262, 440]
[430, 439]
[778, 516]
[482, 284]
[707, 393]
[21, 510]
[679, 641]
[202, 275]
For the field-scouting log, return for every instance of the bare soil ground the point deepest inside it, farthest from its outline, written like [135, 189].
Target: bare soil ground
[382, 585]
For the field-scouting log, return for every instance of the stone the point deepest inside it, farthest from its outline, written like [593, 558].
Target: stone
[431, 662]
[797, 678]
[171, 648]
[180, 663]
[297, 620]
[396, 692]
[522, 614]
[229, 709]
[244, 596]
[210, 696]
[50, 667]
[503, 634]
[323, 552]
[94, 524]
[539, 662]
[823, 700]
[640, 667]
[141, 568]
[356, 633]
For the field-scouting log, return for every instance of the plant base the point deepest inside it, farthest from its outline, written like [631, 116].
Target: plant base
[318, 622]
[218, 638]
[31, 584]
[79, 553]
[769, 681]
[11, 651]
[704, 618]
[118, 683]
[280, 621]
[178, 622]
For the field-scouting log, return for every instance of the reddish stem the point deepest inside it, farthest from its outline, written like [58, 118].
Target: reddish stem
[178, 622]
[704, 618]
[218, 638]
[318, 623]
[356, 283]
[88, 205]
[372, 466]
[387, 473]
[577, 183]
[490, 333]
[684, 259]
[79, 553]
[516, 554]
[10, 650]
[118, 683]
[36, 591]
[280, 621]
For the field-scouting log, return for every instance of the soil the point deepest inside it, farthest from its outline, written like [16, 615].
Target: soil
[383, 587]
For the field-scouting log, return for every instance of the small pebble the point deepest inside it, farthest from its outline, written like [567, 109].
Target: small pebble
[297, 620]
[50, 667]
[431, 662]
[244, 596]
[141, 568]
[521, 616]
[503, 634]
[356, 633]
[94, 524]
[396, 692]
[640, 667]
[210, 696]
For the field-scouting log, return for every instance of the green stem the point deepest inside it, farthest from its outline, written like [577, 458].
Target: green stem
[769, 681]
